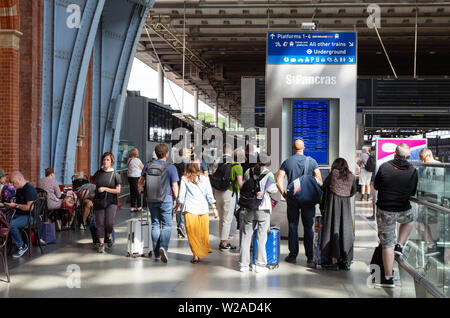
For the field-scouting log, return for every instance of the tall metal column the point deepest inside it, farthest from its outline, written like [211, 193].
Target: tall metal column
[196, 103]
[216, 114]
[160, 84]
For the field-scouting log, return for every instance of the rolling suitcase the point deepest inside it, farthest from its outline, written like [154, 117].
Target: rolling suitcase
[139, 237]
[272, 247]
[317, 240]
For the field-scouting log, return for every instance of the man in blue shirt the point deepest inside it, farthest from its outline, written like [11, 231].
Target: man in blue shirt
[294, 168]
[161, 212]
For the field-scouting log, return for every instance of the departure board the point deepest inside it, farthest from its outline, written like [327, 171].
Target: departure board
[310, 122]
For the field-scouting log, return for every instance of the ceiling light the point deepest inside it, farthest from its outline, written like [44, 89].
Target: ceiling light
[308, 26]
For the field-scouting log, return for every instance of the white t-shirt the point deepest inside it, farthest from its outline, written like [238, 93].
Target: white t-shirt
[133, 167]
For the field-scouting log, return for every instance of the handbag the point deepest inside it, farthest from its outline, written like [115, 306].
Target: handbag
[101, 198]
[305, 189]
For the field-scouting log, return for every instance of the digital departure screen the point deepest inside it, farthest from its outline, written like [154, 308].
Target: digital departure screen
[310, 122]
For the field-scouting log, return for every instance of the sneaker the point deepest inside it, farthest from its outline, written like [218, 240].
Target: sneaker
[226, 247]
[180, 232]
[139, 209]
[101, 248]
[331, 267]
[43, 243]
[398, 250]
[244, 269]
[21, 251]
[261, 269]
[109, 243]
[290, 259]
[311, 265]
[389, 283]
[163, 254]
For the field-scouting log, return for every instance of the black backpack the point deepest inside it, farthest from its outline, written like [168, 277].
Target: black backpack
[247, 195]
[221, 179]
[371, 164]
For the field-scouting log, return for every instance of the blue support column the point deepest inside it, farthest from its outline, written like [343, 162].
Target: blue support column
[114, 50]
[113, 27]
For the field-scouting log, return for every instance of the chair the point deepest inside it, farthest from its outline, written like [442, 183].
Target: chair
[36, 210]
[79, 207]
[3, 250]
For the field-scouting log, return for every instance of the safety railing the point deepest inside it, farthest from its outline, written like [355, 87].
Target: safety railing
[426, 254]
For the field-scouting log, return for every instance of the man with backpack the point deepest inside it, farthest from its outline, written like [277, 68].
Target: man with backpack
[367, 164]
[227, 180]
[161, 182]
[295, 167]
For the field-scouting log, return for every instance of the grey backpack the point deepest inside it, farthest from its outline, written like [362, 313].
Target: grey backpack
[156, 181]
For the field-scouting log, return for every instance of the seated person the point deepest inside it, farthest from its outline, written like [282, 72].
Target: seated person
[25, 195]
[2, 180]
[51, 186]
[87, 191]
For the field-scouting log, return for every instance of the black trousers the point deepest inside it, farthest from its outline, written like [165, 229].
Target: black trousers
[134, 194]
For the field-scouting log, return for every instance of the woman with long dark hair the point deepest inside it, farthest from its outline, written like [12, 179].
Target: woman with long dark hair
[337, 234]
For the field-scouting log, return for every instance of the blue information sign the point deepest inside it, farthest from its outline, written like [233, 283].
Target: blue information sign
[310, 122]
[311, 48]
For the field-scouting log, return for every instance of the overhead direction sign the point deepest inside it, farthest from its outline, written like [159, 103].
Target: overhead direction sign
[311, 48]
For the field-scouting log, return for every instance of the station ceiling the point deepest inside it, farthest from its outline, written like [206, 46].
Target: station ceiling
[226, 40]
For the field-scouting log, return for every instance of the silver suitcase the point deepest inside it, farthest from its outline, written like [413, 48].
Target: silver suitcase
[139, 237]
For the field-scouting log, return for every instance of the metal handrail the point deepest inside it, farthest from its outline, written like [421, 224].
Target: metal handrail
[420, 279]
[433, 290]
[433, 206]
[431, 164]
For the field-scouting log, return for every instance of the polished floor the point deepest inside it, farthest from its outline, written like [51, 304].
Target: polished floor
[55, 273]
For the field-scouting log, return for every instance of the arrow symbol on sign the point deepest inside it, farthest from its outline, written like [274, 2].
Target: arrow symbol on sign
[351, 43]
[272, 36]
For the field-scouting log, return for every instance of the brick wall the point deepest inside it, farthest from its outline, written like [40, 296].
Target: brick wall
[9, 85]
[83, 154]
[31, 25]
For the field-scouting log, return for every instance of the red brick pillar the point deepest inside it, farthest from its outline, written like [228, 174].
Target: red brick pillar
[30, 81]
[9, 85]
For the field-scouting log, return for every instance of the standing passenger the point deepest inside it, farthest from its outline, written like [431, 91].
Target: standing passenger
[107, 181]
[195, 194]
[337, 234]
[161, 207]
[364, 175]
[134, 172]
[226, 199]
[294, 167]
[259, 217]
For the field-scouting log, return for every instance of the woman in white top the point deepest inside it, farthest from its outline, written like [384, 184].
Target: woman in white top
[135, 167]
[193, 198]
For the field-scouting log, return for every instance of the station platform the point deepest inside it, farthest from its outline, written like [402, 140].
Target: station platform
[114, 275]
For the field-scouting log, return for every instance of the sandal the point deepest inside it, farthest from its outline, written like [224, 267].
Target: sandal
[195, 260]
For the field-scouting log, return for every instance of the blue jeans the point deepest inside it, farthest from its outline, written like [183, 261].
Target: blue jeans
[180, 220]
[293, 215]
[19, 221]
[161, 214]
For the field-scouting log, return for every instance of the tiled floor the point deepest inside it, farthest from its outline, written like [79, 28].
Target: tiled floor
[114, 275]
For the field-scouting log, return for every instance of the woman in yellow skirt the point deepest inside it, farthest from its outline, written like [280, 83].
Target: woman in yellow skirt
[194, 199]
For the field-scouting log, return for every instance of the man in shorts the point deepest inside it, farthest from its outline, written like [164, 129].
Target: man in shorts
[396, 182]
[364, 175]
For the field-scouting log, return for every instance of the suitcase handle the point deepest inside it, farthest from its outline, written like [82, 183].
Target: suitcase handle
[143, 209]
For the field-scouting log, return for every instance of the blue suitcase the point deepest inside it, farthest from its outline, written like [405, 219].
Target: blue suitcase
[93, 230]
[272, 248]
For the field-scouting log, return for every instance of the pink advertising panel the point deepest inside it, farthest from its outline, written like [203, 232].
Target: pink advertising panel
[386, 148]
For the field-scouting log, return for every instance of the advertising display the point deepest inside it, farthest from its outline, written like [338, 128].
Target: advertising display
[386, 148]
[310, 122]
